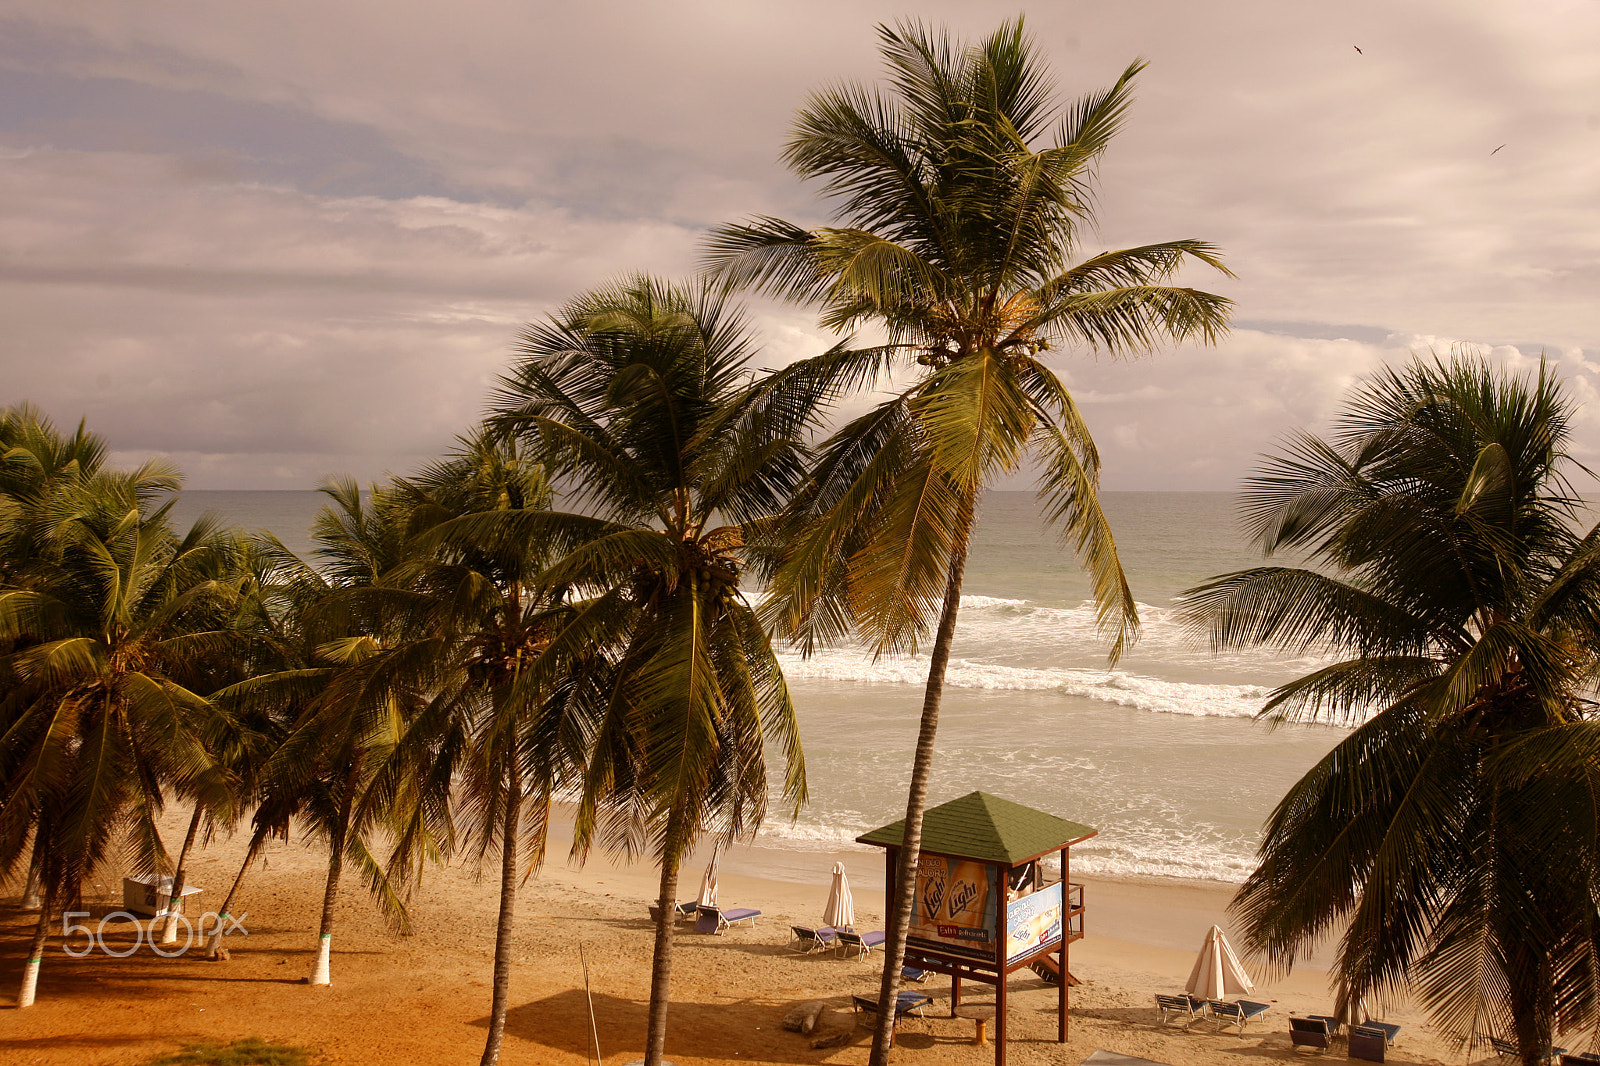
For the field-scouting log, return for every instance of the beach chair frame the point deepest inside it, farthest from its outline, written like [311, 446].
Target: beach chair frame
[806, 940]
[1368, 1042]
[1182, 1006]
[906, 1003]
[1390, 1031]
[715, 920]
[1310, 1032]
[862, 943]
[1240, 1012]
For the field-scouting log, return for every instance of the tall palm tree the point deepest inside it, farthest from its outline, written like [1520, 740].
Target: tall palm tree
[110, 632]
[962, 191]
[335, 769]
[635, 397]
[503, 716]
[1455, 828]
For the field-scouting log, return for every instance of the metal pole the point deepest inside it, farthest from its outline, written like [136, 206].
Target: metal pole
[1000, 956]
[594, 1030]
[1066, 918]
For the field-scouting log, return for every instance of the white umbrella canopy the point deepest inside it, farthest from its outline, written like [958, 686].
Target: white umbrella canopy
[708, 885]
[1217, 973]
[840, 913]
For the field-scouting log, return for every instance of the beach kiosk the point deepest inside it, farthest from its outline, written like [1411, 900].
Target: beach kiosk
[982, 908]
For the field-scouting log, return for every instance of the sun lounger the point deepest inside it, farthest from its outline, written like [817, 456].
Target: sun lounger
[905, 1003]
[1367, 1042]
[1183, 1006]
[1507, 1049]
[715, 919]
[1389, 1030]
[1238, 1012]
[861, 943]
[1309, 1032]
[680, 911]
[806, 940]
[911, 973]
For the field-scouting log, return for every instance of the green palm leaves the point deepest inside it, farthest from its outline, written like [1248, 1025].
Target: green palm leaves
[961, 192]
[1454, 829]
[112, 628]
[636, 399]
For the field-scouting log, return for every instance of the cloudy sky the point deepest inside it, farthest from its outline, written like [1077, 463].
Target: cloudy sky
[282, 240]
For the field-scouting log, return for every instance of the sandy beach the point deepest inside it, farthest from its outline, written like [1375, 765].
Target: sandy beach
[424, 997]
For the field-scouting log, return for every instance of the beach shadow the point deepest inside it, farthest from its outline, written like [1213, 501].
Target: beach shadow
[694, 1030]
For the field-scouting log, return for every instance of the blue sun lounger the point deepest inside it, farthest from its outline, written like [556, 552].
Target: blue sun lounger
[1238, 1012]
[715, 919]
[905, 1003]
[861, 943]
[1182, 1006]
[806, 939]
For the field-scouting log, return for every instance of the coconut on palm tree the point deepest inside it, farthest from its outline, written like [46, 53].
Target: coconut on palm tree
[636, 399]
[1451, 836]
[962, 193]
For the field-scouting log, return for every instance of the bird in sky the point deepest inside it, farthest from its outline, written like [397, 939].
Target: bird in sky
[1497, 149]
[1357, 47]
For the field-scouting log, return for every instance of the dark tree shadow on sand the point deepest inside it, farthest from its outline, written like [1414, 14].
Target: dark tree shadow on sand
[694, 1030]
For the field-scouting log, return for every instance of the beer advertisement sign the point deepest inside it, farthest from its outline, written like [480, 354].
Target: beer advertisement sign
[957, 907]
[1033, 922]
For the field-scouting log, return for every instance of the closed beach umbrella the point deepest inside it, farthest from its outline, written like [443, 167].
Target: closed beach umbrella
[1217, 973]
[840, 912]
[708, 886]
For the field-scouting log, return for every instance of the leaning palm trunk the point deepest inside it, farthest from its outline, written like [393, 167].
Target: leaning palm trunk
[214, 948]
[661, 963]
[508, 905]
[904, 897]
[30, 970]
[169, 930]
[30, 891]
[320, 972]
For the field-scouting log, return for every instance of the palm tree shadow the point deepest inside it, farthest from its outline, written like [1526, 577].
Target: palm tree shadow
[694, 1030]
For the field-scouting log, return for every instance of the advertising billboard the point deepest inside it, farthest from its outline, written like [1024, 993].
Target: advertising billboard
[957, 907]
[1033, 922]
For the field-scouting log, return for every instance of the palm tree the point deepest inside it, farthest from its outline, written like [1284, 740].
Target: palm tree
[962, 191]
[635, 397]
[111, 629]
[335, 770]
[475, 633]
[1455, 828]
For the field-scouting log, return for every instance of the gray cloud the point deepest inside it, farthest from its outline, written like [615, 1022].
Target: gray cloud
[277, 243]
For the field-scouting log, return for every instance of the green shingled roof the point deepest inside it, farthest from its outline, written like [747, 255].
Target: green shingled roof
[984, 827]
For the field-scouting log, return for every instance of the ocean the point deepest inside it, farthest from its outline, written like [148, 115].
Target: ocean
[1161, 753]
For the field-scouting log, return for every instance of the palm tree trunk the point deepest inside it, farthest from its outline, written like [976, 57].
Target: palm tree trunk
[1532, 1008]
[169, 931]
[320, 972]
[30, 970]
[661, 964]
[508, 905]
[222, 916]
[898, 921]
[30, 891]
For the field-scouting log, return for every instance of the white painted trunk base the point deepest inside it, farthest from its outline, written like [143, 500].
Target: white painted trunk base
[216, 936]
[319, 974]
[30, 983]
